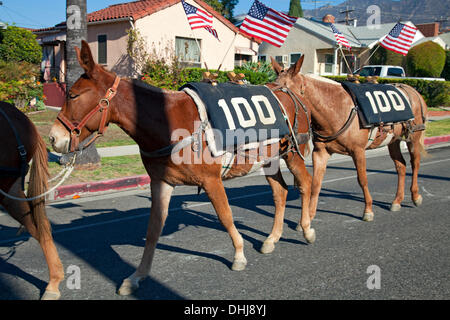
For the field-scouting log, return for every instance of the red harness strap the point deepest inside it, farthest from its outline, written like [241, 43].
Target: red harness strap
[102, 107]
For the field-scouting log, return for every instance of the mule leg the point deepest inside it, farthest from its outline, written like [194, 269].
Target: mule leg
[161, 194]
[20, 211]
[400, 166]
[359, 159]
[303, 180]
[414, 148]
[216, 193]
[279, 192]
[320, 158]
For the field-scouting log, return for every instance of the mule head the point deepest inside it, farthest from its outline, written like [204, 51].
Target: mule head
[78, 119]
[291, 77]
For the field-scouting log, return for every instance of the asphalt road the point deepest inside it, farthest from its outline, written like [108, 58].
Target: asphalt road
[104, 238]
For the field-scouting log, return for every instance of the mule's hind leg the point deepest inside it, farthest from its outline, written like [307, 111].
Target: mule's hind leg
[415, 146]
[161, 194]
[21, 212]
[279, 192]
[216, 192]
[400, 166]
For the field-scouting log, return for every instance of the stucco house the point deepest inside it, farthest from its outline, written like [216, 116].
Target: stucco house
[164, 26]
[315, 39]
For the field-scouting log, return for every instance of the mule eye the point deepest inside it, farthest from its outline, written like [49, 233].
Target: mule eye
[73, 96]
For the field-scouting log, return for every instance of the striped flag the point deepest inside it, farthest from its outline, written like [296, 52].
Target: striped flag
[199, 19]
[340, 37]
[400, 38]
[267, 24]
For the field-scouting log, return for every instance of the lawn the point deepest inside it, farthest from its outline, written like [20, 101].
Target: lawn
[438, 128]
[114, 136]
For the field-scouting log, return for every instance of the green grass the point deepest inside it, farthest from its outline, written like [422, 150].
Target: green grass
[438, 128]
[110, 168]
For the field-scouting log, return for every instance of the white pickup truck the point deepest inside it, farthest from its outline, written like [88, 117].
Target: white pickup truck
[388, 72]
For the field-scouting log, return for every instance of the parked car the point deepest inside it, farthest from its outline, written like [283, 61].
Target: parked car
[388, 72]
[381, 71]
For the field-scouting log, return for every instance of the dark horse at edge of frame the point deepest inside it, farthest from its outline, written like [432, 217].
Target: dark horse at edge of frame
[30, 214]
[149, 115]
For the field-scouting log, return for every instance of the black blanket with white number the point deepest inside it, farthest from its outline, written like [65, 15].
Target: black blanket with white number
[379, 103]
[237, 111]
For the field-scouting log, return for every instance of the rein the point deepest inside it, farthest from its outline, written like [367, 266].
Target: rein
[102, 107]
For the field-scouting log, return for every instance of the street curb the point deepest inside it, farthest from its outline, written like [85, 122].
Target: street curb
[83, 190]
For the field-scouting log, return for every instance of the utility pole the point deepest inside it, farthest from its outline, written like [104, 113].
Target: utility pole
[347, 16]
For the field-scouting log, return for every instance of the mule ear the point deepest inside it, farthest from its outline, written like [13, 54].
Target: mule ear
[85, 57]
[294, 70]
[276, 66]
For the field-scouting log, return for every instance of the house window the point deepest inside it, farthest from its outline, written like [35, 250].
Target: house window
[329, 63]
[240, 59]
[188, 52]
[102, 49]
[262, 58]
[295, 57]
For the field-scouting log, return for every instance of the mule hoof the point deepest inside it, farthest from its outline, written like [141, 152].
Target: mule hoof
[239, 265]
[395, 207]
[267, 247]
[310, 236]
[368, 216]
[418, 202]
[48, 295]
[299, 228]
[127, 288]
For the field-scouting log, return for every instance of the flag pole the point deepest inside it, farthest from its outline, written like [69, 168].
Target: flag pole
[345, 59]
[231, 45]
[371, 55]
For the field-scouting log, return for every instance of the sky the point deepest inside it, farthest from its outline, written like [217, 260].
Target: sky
[47, 13]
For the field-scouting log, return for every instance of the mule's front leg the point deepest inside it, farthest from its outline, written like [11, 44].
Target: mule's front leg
[359, 159]
[216, 193]
[161, 194]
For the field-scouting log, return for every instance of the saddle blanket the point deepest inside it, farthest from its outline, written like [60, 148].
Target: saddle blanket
[237, 115]
[379, 103]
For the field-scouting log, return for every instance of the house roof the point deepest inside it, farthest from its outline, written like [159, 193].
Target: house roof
[142, 8]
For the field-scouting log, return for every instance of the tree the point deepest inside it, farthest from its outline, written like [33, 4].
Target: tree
[295, 9]
[77, 31]
[224, 7]
[17, 45]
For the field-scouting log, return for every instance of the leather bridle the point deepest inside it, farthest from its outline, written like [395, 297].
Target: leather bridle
[102, 107]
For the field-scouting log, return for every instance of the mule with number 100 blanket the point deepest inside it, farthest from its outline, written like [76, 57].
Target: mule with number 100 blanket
[337, 129]
[21, 142]
[150, 116]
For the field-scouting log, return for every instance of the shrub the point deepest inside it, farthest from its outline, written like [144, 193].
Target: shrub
[17, 44]
[264, 67]
[19, 84]
[446, 72]
[425, 60]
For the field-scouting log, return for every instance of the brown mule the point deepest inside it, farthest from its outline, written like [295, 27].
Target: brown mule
[150, 116]
[337, 131]
[30, 214]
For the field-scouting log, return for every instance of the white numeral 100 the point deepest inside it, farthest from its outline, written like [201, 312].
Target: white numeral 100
[257, 101]
[394, 100]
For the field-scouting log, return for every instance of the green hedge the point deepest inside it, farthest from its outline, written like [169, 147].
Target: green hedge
[435, 93]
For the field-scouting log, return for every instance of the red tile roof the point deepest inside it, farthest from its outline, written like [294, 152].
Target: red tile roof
[140, 9]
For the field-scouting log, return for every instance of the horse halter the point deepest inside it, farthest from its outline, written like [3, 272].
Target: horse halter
[102, 107]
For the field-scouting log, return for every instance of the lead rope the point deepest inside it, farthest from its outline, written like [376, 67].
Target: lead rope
[67, 171]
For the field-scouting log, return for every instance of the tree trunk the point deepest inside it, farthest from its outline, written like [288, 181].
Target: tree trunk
[76, 14]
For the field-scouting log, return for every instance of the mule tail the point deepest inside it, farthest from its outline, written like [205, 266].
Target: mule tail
[38, 184]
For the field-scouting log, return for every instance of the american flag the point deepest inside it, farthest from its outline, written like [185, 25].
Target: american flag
[400, 38]
[340, 37]
[267, 24]
[199, 19]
